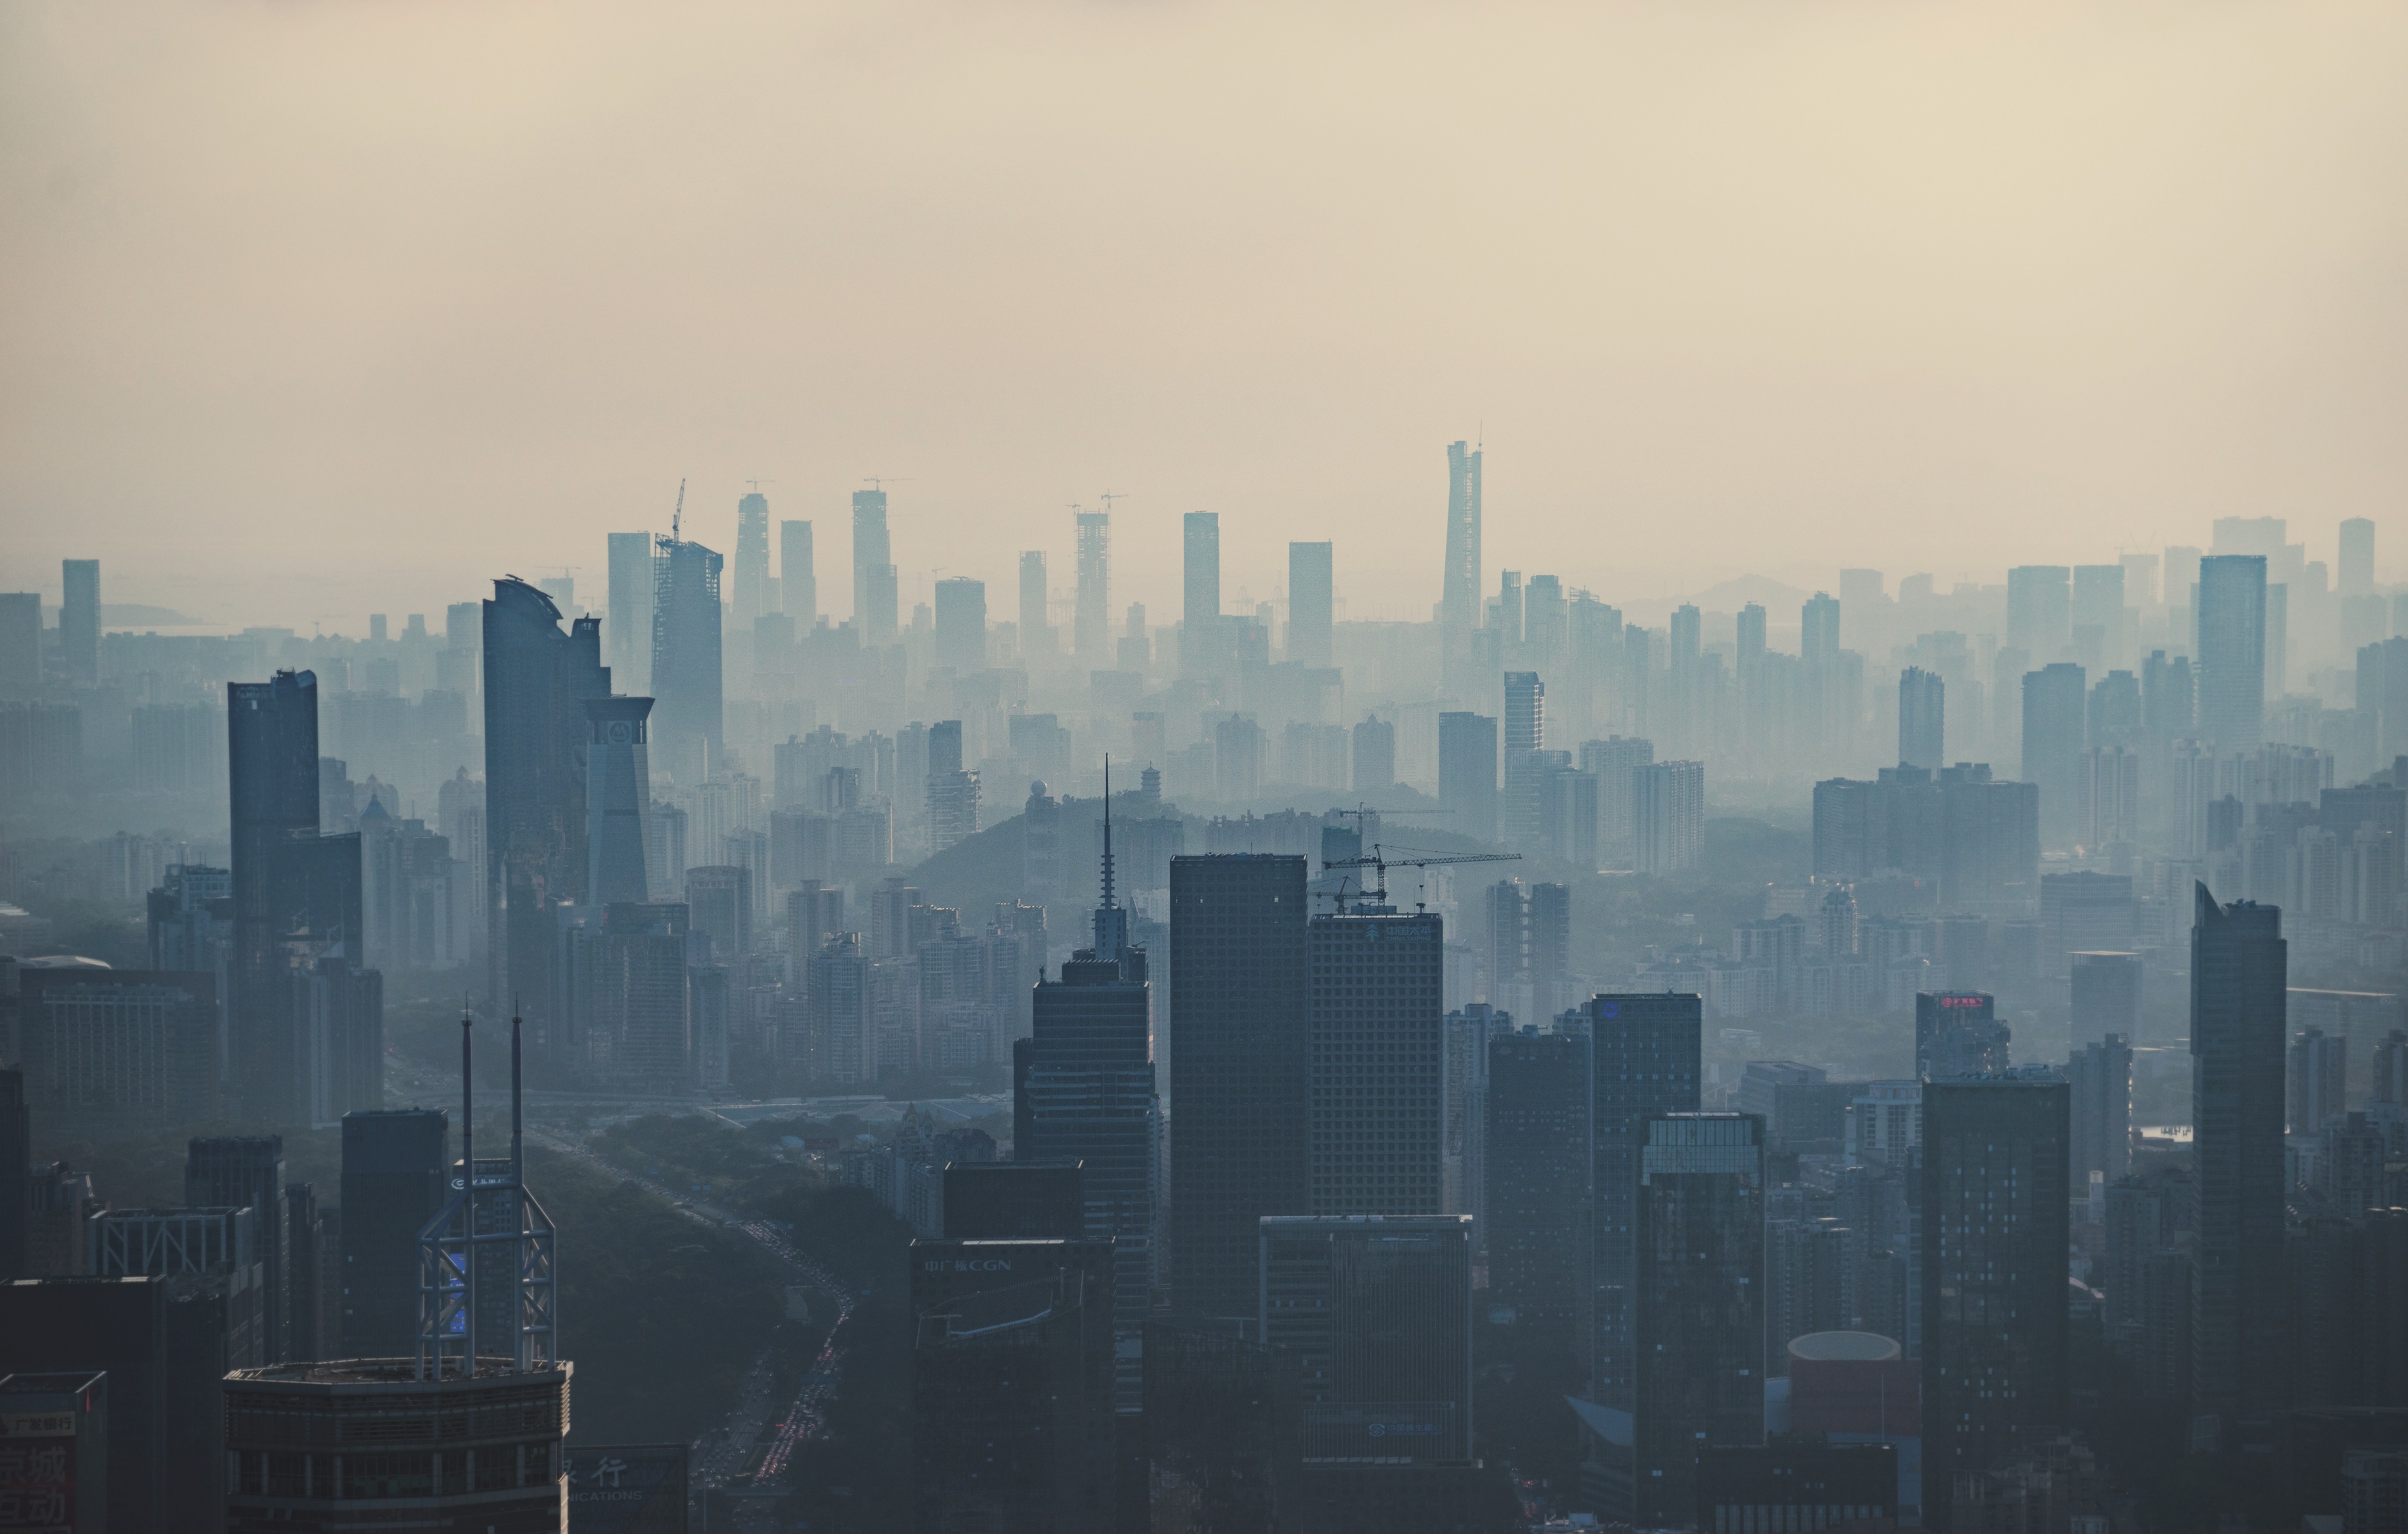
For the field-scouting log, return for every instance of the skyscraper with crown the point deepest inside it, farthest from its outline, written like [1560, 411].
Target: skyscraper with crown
[1084, 1090]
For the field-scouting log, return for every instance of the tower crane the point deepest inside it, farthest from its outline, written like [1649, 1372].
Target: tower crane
[1380, 862]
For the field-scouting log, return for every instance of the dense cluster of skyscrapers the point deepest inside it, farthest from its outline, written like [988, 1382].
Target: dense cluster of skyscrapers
[1299, 1171]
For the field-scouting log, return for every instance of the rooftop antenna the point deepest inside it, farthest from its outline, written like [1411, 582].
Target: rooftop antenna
[455, 1244]
[468, 1170]
[518, 1120]
[1111, 922]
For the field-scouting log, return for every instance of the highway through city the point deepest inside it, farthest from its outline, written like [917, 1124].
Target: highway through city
[722, 1457]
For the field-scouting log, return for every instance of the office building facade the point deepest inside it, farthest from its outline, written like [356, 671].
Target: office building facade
[1698, 1303]
[395, 1165]
[1240, 1069]
[2230, 660]
[1644, 1053]
[1993, 1235]
[1012, 1421]
[537, 680]
[689, 717]
[1377, 1015]
[1538, 1195]
[1367, 1318]
[2239, 964]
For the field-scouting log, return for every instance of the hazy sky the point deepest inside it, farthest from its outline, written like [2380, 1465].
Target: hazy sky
[323, 306]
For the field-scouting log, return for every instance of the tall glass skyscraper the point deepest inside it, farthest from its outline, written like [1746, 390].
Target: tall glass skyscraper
[2239, 969]
[1644, 1051]
[287, 882]
[873, 569]
[2231, 651]
[1310, 604]
[1993, 1233]
[1536, 1180]
[1241, 1065]
[798, 586]
[1378, 1018]
[1091, 631]
[1697, 1298]
[537, 679]
[1460, 594]
[1083, 1091]
[751, 597]
[688, 715]
[1370, 1316]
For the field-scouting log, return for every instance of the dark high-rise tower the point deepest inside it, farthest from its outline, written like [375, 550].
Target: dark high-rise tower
[1459, 596]
[1922, 714]
[16, 1171]
[2039, 610]
[2056, 700]
[537, 679]
[689, 715]
[79, 621]
[798, 585]
[395, 1164]
[1377, 1014]
[1084, 1092]
[618, 798]
[1645, 1052]
[1537, 1172]
[1466, 773]
[752, 594]
[627, 636]
[2239, 966]
[1993, 1233]
[1241, 1069]
[1958, 1034]
[2099, 1078]
[1697, 1293]
[1011, 1386]
[1525, 734]
[2231, 653]
[873, 569]
[961, 624]
[1036, 629]
[1370, 1316]
[1091, 632]
[1200, 610]
[1310, 604]
[248, 1174]
[287, 879]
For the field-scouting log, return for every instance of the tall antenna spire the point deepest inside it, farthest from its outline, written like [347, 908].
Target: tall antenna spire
[1107, 831]
[1111, 922]
[468, 1185]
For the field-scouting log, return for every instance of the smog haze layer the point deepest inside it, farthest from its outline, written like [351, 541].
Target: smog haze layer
[320, 309]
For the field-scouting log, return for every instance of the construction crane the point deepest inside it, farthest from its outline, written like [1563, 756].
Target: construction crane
[1380, 862]
[678, 516]
[1362, 813]
[1107, 497]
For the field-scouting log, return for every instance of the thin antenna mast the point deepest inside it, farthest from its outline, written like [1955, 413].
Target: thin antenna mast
[1107, 831]
[468, 1166]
